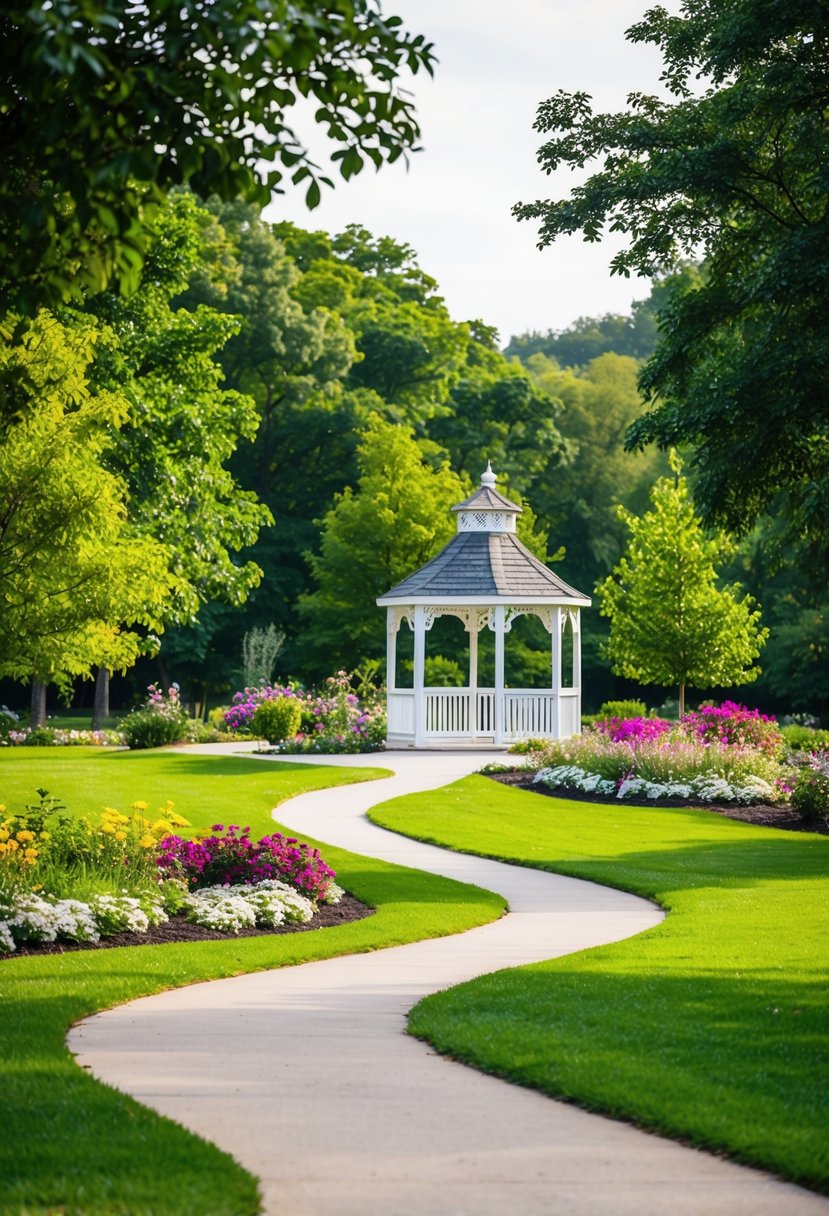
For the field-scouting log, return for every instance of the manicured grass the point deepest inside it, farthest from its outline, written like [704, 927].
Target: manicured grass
[73, 1147]
[711, 1027]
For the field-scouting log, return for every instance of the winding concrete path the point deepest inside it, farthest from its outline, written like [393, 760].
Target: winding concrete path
[307, 1077]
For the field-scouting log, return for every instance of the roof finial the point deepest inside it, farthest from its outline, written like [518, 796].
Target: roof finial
[488, 478]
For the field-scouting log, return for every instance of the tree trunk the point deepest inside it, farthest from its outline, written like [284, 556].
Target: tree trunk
[100, 709]
[681, 702]
[37, 715]
[164, 675]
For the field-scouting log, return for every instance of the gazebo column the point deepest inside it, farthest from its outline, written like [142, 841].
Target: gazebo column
[392, 625]
[498, 615]
[472, 626]
[576, 619]
[555, 658]
[419, 668]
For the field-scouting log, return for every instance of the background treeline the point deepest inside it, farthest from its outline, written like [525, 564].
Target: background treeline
[297, 413]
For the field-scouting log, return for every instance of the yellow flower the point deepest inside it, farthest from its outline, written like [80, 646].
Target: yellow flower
[140, 806]
[162, 827]
[120, 835]
[12, 846]
[45, 835]
[108, 829]
[31, 856]
[38, 886]
[179, 821]
[147, 842]
[25, 836]
[3, 848]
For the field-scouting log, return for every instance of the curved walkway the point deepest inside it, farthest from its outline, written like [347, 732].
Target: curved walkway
[306, 1076]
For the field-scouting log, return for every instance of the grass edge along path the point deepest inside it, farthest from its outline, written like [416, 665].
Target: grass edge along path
[74, 1147]
[710, 1027]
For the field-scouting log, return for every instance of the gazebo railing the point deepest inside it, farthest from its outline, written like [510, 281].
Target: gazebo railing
[448, 713]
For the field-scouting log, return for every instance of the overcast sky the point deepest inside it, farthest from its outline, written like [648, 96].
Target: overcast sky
[497, 61]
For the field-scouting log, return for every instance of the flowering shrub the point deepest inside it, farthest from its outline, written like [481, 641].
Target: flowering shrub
[733, 725]
[27, 916]
[160, 721]
[233, 858]
[633, 730]
[246, 703]
[231, 908]
[810, 796]
[46, 846]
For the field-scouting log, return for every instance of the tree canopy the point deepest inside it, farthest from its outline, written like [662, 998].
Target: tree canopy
[79, 586]
[730, 163]
[393, 521]
[105, 106]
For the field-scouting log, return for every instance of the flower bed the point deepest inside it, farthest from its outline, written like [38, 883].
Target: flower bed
[725, 754]
[333, 721]
[64, 878]
[55, 736]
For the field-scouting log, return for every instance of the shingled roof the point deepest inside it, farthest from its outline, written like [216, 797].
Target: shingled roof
[488, 498]
[484, 564]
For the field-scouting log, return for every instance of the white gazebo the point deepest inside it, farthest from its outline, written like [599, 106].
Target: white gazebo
[486, 578]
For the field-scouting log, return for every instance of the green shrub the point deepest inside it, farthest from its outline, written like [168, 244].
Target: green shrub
[201, 732]
[144, 728]
[277, 719]
[810, 796]
[41, 736]
[216, 717]
[804, 738]
[525, 746]
[621, 709]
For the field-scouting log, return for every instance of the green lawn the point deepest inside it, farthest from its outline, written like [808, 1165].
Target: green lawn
[72, 1147]
[711, 1027]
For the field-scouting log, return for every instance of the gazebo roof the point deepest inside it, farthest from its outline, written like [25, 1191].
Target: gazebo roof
[488, 498]
[485, 562]
[484, 565]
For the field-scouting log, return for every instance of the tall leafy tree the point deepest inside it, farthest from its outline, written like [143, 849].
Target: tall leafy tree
[670, 620]
[80, 586]
[732, 165]
[391, 522]
[105, 106]
[183, 425]
[596, 405]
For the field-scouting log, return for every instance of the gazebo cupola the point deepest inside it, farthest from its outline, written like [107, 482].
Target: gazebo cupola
[486, 578]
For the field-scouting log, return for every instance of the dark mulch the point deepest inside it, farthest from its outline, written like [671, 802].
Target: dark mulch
[782, 817]
[177, 929]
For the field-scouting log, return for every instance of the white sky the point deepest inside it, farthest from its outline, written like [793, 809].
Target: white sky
[497, 61]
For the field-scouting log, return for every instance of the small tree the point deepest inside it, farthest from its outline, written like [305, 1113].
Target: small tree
[670, 623]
